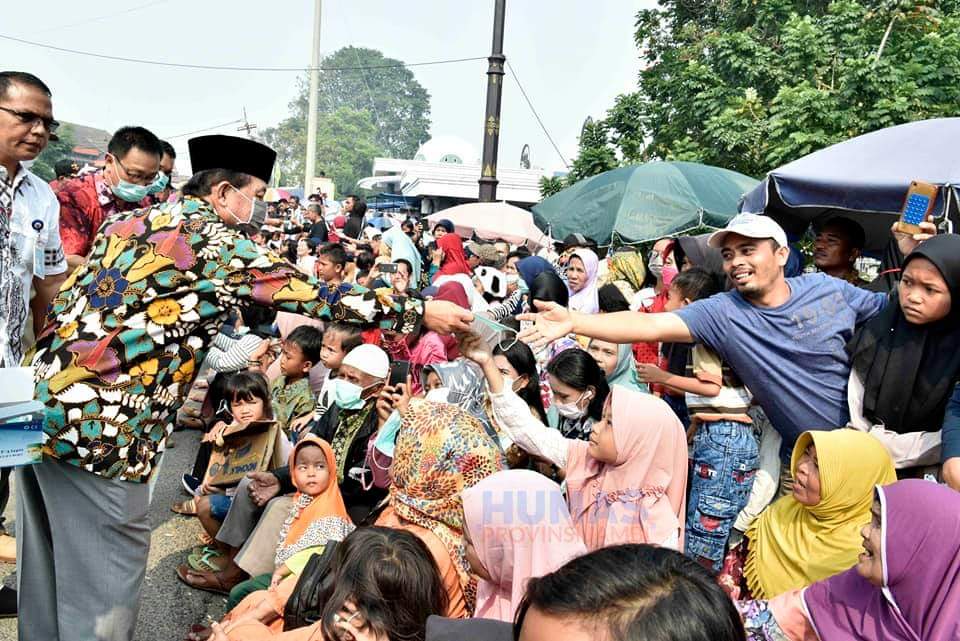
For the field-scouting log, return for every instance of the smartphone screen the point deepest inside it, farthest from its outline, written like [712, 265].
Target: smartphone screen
[399, 371]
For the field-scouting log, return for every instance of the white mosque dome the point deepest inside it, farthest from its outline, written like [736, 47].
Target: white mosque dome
[448, 149]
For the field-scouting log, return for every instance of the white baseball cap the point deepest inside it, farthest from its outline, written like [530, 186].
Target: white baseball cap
[751, 226]
[369, 359]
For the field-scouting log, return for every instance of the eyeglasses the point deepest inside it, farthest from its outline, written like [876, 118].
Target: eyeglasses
[135, 176]
[30, 118]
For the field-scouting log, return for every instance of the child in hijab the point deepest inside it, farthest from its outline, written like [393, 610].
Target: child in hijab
[516, 527]
[906, 360]
[627, 484]
[904, 586]
[453, 260]
[582, 271]
[317, 516]
[814, 533]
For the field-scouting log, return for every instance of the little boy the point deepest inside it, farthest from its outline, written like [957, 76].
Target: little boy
[290, 393]
[725, 454]
[338, 340]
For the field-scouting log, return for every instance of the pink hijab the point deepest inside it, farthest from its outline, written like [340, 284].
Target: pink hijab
[521, 529]
[642, 497]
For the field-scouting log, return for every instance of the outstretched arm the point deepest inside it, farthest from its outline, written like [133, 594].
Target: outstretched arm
[553, 321]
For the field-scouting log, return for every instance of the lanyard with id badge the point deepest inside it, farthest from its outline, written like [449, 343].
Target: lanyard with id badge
[38, 258]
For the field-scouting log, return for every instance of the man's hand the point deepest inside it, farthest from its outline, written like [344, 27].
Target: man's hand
[445, 317]
[299, 424]
[649, 373]
[951, 472]
[263, 487]
[908, 242]
[401, 397]
[384, 404]
[549, 324]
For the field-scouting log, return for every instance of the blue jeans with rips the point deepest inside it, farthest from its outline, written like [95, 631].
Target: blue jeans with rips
[723, 464]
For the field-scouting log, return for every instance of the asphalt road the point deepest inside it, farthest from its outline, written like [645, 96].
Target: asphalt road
[168, 607]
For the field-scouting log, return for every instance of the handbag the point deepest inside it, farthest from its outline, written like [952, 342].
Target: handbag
[305, 605]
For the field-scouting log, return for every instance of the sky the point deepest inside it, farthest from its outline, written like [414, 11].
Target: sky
[572, 56]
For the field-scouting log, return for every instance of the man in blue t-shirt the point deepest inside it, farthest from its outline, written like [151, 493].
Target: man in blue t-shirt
[784, 337]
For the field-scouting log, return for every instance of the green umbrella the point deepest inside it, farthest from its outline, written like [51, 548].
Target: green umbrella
[639, 203]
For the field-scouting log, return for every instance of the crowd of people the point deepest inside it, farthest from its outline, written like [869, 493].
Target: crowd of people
[464, 438]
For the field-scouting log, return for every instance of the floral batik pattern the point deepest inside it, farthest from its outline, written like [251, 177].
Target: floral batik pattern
[128, 329]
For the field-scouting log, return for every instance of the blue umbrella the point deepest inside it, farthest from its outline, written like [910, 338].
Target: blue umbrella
[864, 178]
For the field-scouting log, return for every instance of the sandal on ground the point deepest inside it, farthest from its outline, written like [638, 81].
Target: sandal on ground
[206, 581]
[186, 508]
[208, 560]
[199, 632]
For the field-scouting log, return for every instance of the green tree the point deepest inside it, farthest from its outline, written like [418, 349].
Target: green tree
[549, 185]
[595, 155]
[396, 105]
[753, 84]
[54, 151]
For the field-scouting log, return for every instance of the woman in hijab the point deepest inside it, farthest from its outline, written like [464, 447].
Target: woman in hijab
[627, 484]
[697, 253]
[905, 585]
[618, 364]
[582, 270]
[516, 527]
[626, 271]
[814, 533]
[527, 271]
[547, 286]
[454, 260]
[402, 248]
[906, 359]
[442, 227]
[440, 451]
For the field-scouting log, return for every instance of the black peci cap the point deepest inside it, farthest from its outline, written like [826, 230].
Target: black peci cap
[231, 152]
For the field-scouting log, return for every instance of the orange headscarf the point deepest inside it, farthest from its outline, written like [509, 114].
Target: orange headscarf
[313, 520]
[642, 497]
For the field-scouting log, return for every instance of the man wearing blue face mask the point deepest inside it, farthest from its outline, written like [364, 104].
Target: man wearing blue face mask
[131, 169]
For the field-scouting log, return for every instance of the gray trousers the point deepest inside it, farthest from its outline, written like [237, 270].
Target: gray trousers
[82, 546]
[254, 530]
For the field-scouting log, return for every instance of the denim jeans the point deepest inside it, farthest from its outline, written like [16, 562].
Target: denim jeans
[723, 464]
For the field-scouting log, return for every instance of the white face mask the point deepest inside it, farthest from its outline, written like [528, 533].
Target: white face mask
[572, 411]
[511, 383]
[438, 395]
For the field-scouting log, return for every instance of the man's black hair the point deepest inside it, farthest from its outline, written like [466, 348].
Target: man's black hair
[350, 335]
[359, 205]
[9, 78]
[127, 138]
[849, 228]
[335, 252]
[202, 182]
[697, 283]
[168, 149]
[310, 341]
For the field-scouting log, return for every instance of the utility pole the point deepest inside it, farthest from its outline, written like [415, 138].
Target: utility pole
[491, 122]
[311, 158]
[247, 126]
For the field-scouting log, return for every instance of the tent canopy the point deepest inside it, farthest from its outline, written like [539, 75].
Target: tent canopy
[865, 178]
[639, 203]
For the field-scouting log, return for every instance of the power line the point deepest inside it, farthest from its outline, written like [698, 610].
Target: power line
[103, 17]
[200, 131]
[160, 63]
[536, 115]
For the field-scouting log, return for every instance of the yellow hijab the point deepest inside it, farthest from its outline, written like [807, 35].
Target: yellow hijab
[792, 545]
[627, 266]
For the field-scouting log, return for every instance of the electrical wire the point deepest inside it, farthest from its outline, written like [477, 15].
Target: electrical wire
[536, 115]
[103, 17]
[200, 131]
[160, 63]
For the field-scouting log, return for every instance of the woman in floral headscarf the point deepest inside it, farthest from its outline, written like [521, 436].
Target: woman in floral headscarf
[441, 450]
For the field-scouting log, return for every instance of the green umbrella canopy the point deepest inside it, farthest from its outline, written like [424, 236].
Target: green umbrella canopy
[639, 203]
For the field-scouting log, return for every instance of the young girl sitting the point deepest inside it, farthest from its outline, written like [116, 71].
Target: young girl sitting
[905, 585]
[247, 397]
[317, 516]
[627, 484]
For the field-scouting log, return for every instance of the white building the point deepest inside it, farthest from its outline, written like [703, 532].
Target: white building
[445, 172]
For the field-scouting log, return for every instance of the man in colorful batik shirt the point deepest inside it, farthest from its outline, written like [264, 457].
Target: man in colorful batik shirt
[118, 354]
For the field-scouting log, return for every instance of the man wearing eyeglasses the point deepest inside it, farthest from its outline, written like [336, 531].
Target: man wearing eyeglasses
[30, 251]
[131, 173]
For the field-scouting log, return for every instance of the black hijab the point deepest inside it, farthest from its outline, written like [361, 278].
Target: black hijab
[908, 370]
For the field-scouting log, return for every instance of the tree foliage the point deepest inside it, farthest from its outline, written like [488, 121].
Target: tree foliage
[594, 156]
[363, 113]
[43, 166]
[752, 84]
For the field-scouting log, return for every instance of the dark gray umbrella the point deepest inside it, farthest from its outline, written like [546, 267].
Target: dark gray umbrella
[865, 179]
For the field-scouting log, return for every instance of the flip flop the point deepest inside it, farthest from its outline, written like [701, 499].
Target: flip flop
[186, 508]
[206, 560]
[206, 581]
